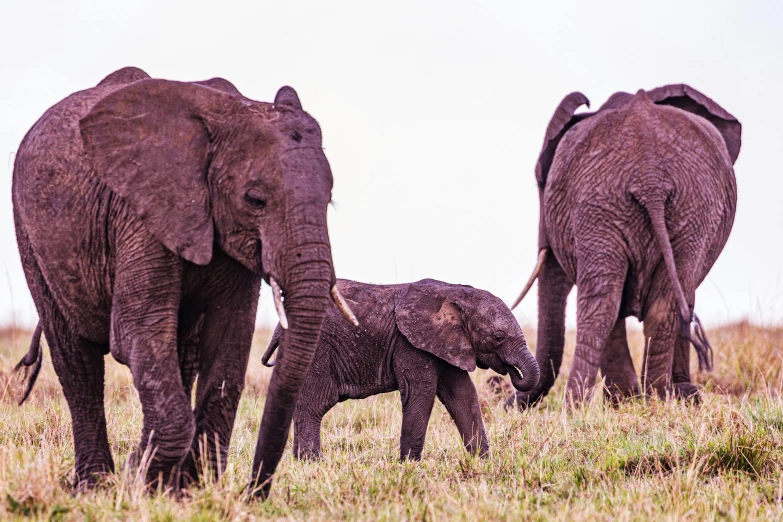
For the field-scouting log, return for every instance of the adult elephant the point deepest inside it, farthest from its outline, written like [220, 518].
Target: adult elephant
[637, 202]
[147, 214]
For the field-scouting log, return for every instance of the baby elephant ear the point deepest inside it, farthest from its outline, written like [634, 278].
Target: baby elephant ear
[689, 99]
[432, 322]
[149, 143]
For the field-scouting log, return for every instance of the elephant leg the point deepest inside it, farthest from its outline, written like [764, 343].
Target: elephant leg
[224, 350]
[666, 362]
[617, 366]
[417, 377]
[318, 396]
[681, 365]
[599, 295]
[79, 365]
[416, 411]
[188, 335]
[682, 388]
[660, 332]
[458, 394]
[145, 309]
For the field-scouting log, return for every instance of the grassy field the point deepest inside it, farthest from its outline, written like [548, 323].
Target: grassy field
[644, 460]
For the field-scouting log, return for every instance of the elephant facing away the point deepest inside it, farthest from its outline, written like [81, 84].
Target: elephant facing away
[637, 201]
[422, 339]
[147, 214]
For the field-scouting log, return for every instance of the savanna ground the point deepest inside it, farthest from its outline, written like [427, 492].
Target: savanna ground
[644, 460]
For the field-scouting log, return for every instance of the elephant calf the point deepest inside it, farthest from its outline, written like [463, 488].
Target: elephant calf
[420, 338]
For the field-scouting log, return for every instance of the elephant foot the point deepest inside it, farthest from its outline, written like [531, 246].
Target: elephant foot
[308, 454]
[483, 453]
[188, 475]
[259, 490]
[93, 481]
[410, 456]
[156, 473]
[616, 396]
[686, 391]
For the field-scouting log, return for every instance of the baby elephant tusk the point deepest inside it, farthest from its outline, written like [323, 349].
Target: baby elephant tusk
[529, 285]
[521, 375]
[343, 306]
[278, 295]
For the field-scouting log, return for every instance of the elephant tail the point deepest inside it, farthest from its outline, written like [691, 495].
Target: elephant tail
[274, 342]
[655, 209]
[33, 358]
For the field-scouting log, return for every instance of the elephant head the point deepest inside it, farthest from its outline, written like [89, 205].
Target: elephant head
[202, 167]
[466, 328]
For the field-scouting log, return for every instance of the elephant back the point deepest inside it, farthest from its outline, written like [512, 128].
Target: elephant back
[124, 76]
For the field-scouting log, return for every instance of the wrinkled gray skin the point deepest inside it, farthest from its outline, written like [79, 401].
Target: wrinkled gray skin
[147, 214]
[637, 201]
[420, 338]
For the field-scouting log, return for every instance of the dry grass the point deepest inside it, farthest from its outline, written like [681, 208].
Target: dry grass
[659, 460]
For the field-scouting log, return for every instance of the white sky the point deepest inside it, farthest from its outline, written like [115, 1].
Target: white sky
[432, 115]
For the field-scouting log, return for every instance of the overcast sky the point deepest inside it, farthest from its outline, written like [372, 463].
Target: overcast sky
[432, 113]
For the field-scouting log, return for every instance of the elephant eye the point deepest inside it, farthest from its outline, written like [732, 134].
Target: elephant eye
[498, 336]
[296, 136]
[254, 200]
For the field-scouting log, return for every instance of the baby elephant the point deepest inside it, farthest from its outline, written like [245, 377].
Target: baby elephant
[420, 338]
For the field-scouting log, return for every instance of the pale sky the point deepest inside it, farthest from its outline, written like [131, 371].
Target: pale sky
[433, 114]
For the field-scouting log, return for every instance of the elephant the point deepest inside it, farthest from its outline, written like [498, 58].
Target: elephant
[637, 201]
[419, 338]
[147, 214]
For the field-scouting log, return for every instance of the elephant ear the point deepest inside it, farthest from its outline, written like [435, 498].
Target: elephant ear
[150, 143]
[429, 316]
[287, 97]
[563, 119]
[689, 99]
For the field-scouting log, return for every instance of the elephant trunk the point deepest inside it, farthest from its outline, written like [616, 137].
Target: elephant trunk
[522, 367]
[307, 283]
[553, 289]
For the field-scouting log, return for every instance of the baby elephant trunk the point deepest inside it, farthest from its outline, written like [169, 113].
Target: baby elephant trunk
[521, 366]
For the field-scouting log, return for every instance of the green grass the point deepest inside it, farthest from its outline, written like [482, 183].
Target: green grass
[644, 460]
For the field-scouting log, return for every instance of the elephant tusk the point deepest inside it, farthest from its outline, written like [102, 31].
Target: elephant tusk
[533, 277]
[278, 295]
[521, 375]
[338, 299]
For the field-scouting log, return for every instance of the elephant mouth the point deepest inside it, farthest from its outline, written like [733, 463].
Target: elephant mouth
[517, 377]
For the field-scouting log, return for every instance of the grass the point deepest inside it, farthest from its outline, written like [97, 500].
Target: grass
[644, 460]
